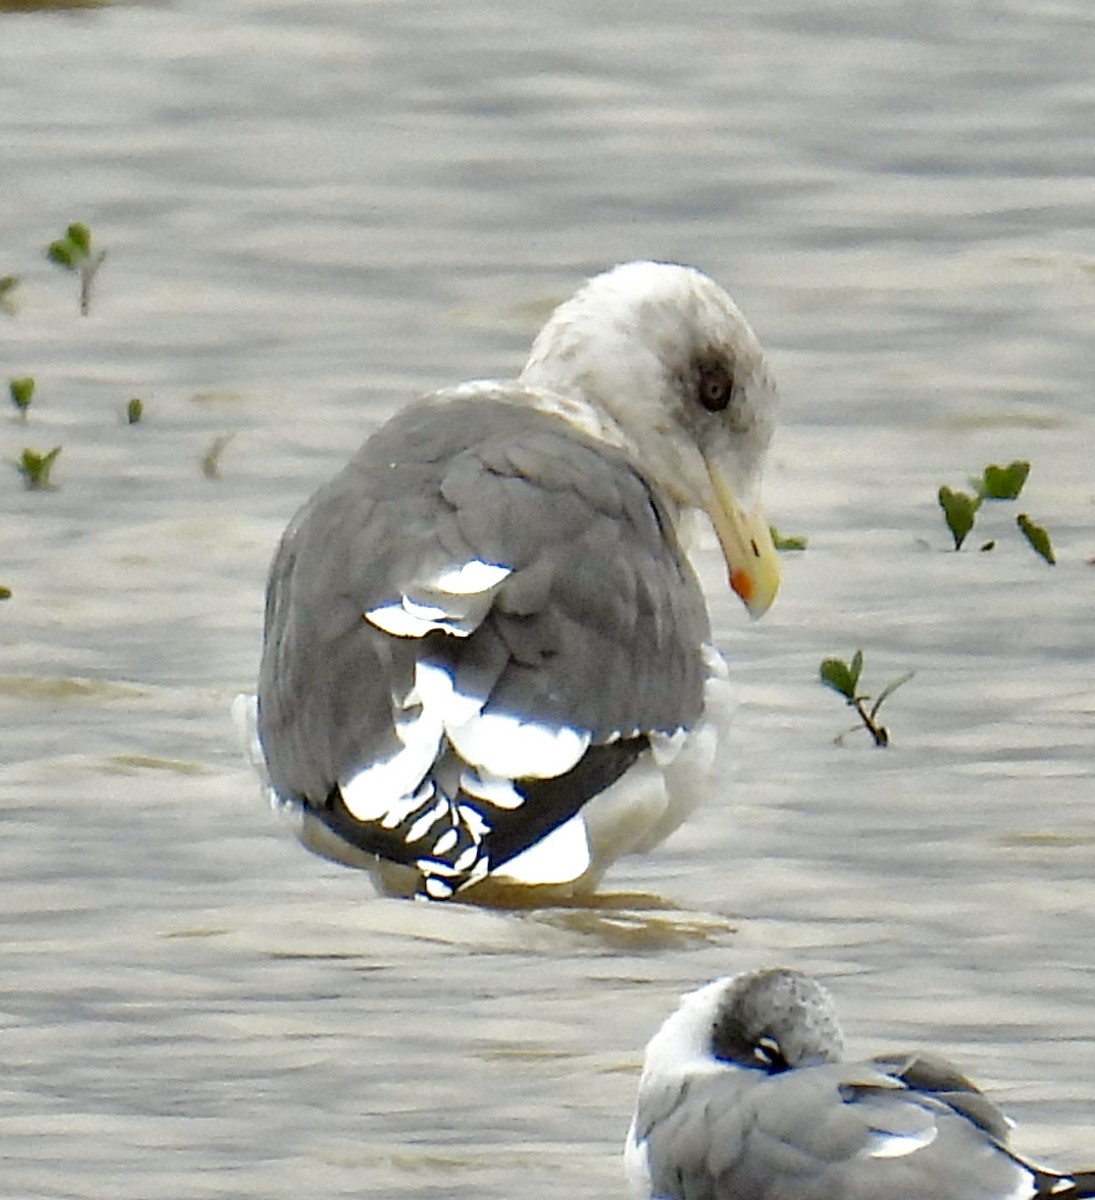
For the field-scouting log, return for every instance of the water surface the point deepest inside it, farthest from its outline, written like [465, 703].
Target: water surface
[312, 213]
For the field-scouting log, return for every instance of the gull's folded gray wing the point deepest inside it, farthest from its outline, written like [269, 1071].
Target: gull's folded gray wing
[492, 543]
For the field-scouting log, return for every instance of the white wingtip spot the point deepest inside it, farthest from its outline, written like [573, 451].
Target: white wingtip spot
[503, 745]
[428, 614]
[466, 859]
[445, 842]
[398, 812]
[560, 857]
[499, 792]
[424, 823]
[897, 1145]
[393, 618]
[471, 577]
[473, 822]
[455, 601]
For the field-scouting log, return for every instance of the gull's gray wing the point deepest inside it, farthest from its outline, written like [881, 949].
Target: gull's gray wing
[906, 1128]
[482, 565]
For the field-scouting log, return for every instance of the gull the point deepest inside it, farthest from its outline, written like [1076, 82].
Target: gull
[745, 1095]
[487, 660]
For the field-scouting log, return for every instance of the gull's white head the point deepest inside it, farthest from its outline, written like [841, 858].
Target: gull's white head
[674, 375]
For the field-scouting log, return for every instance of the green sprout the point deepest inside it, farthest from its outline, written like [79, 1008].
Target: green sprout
[5, 592]
[843, 678]
[786, 541]
[134, 410]
[959, 511]
[7, 286]
[1037, 537]
[35, 468]
[996, 483]
[1002, 483]
[22, 392]
[74, 253]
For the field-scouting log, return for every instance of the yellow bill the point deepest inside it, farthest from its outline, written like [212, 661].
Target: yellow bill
[746, 541]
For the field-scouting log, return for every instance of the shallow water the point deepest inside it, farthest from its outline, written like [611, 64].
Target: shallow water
[314, 211]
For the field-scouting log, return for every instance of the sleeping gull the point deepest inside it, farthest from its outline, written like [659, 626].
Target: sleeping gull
[487, 661]
[744, 1096]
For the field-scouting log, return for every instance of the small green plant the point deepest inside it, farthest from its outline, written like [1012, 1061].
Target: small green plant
[1038, 538]
[959, 511]
[783, 541]
[7, 286]
[74, 252]
[134, 410]
[1002, 483]
[843, 678]
[996, 483]
[35, 468]
[22, 392]
[5, 592]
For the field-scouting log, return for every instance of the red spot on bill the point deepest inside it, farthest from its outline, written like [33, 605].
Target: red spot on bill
[742, 584]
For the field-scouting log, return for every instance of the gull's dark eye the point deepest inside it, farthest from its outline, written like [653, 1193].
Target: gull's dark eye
[768, 1055]
[715, 387]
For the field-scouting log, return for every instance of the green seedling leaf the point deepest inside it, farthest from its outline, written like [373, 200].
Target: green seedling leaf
[73, 252]
[21, 392]
[959, 509]
[35, 468]
[134, 410]
[889, 690]
[7, 296]
[838, 675]
[1004, 483]
[5, 592]
[1038, 538]
[843, 677]
[857, 667]
[80, 236]
[835, 674]
[63, 253]
[786, 542]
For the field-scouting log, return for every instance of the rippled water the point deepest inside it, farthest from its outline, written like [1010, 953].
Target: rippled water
[314, 211]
